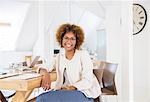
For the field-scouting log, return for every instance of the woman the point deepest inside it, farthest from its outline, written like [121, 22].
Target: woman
[75, 79]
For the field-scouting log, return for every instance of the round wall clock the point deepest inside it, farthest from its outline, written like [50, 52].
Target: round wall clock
[139, 18]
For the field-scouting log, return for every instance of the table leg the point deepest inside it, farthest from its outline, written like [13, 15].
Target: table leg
[21, 96]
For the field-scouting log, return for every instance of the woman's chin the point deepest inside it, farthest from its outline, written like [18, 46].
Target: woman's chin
[69, 49]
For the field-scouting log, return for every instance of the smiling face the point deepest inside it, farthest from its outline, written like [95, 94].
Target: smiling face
[69, 41]
[70, 36]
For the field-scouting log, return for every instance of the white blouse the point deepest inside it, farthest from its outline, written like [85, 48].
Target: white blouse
[79, 71]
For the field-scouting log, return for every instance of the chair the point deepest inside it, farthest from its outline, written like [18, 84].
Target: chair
[107, 81]
[2, 98]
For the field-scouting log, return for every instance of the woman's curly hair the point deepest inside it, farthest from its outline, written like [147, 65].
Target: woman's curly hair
[76, 30]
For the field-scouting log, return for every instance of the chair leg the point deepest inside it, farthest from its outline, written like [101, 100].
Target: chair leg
[116, 98]
[96, 99]
[2, 98]
[34, 100]
[101, 98]
[107, 99]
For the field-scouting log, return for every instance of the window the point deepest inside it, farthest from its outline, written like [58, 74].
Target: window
[6, 38]
[11, 21]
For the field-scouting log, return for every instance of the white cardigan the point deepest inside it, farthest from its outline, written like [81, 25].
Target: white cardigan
[79, 71]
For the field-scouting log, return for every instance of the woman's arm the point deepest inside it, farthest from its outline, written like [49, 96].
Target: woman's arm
[86, 80]
[46, 81]
[69, 88]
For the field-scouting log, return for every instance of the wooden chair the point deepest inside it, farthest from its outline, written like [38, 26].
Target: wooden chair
[107, 79]
[2, 98]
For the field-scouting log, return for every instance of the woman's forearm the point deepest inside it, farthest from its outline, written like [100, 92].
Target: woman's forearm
[46, 81]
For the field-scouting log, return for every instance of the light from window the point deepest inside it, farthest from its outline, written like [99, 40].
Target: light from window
[6, 38]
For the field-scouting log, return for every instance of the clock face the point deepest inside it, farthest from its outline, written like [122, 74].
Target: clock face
[139, 18]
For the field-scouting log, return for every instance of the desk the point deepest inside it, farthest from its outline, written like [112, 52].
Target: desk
[23, 87]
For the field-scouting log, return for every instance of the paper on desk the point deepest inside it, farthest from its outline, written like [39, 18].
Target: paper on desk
[25, 76]
[2, 76]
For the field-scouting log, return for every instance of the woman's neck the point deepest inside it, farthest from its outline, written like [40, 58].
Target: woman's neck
[70, 54]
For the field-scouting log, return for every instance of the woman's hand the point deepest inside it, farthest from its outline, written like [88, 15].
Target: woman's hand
[46, 82]
[69, 88]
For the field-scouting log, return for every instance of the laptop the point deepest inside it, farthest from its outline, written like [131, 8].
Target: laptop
[34, 61]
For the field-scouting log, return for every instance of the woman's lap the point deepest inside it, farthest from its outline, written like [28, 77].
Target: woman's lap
[63, 96]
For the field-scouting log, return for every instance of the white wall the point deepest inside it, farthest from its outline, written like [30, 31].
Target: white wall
[113, 31]
[119, 46]
[131, 52]
[29, 31]
[7, 57]
[127, 52]
[142, 60]
[147, 30]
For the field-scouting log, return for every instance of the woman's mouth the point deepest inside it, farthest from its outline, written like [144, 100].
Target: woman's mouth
[68, 45]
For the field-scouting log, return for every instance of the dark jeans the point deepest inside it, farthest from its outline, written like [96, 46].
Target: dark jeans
[63, 96]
